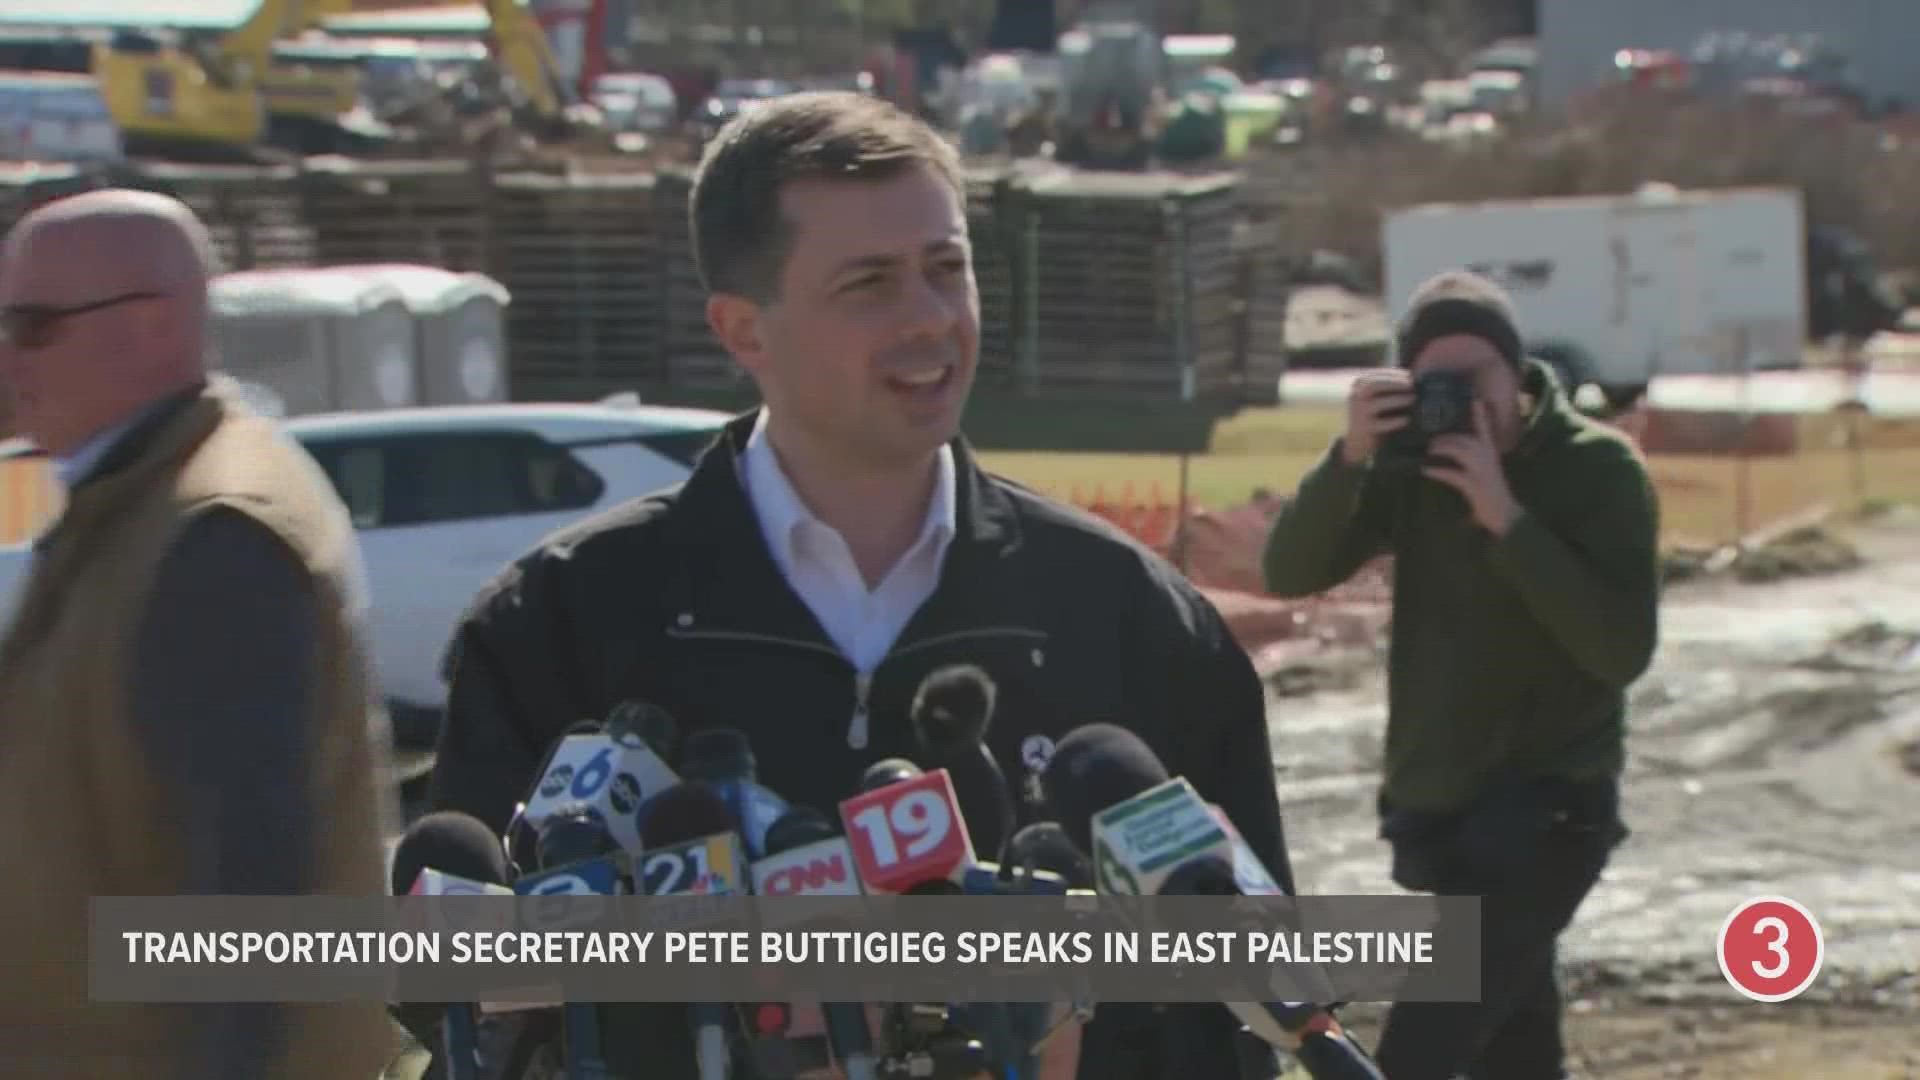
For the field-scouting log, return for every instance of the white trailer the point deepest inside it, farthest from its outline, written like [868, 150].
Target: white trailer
[1661, 282]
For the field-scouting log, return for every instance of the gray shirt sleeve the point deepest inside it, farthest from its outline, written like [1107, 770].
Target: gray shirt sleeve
[222, 676]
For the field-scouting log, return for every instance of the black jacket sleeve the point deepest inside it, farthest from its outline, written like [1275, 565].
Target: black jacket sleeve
[1186, 667]
[1214, 706]
[513, 688]
[221, 683]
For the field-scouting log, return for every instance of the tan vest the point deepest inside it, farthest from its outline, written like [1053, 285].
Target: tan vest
[82, 815]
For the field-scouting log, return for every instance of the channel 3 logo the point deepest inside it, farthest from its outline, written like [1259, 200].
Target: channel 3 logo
[1771, 949]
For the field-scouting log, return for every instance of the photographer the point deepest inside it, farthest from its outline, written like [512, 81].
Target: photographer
[1525, 584]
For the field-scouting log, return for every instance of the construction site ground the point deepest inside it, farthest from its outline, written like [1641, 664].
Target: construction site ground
[1774, 749]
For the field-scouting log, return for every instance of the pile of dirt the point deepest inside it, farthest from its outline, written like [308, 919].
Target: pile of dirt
[1803, 552]
[1808, 551]
[1223, 557]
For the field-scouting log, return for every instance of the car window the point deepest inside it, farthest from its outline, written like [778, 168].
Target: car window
[422, 479]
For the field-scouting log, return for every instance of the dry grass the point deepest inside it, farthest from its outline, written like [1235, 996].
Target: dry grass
[1700, 494]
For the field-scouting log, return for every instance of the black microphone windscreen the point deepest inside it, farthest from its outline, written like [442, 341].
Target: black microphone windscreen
[952, 709]
[799, 825]
[887, 771]
[641, 721]
[684, 812]
[452, 843]
[1094, 767]
[717, 755]
[1044, 845]
[573, 834]
[1211, 876]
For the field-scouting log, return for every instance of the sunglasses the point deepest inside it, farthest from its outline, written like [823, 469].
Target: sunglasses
[30, 326]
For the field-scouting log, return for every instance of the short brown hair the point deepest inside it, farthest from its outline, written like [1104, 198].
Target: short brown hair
[740, 241]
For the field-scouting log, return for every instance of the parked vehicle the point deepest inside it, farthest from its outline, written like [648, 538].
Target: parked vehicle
[56, 117]
[1615, 290]
[443, 498]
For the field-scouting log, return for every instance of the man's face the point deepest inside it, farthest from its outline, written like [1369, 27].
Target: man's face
[57, 369]
[871, 347]
[1495, 384]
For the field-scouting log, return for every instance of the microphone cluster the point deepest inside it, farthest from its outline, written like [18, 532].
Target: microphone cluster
[608, 816]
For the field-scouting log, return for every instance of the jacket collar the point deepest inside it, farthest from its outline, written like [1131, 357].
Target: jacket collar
[165, 434]
[122, 445]
[1553, 417]
[984, 517]
[729, 580]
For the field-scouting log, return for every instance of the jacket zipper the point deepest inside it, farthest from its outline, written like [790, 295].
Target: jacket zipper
[858, 727]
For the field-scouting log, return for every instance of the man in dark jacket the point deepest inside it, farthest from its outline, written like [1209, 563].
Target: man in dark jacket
[1525, 603]
[838, 545]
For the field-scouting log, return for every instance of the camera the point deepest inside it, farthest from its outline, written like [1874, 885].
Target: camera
[1442, 405]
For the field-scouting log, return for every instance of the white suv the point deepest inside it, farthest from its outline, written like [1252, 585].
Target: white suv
[445, 497]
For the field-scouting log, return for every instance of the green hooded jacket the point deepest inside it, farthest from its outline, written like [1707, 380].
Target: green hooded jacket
[1510, 657]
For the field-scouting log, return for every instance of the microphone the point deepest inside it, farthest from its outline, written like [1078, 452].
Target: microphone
[692, 850]
[950, 714]
[1152, 834]
[448, 853]
[722, 759]
[690, 847]
[1094, 767]
[516, 840]
[908, 833]
[444, 849]
[578, 856]
[1044, 846]
[646, 722]
[910, 838]
[807, 857]
[612, 770]
[887, 771]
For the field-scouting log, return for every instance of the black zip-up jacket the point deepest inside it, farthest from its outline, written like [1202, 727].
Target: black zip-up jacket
[674, 599]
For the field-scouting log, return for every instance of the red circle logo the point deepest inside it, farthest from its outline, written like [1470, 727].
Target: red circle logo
[1771, 949]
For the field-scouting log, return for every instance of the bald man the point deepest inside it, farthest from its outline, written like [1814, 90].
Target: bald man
[187, 709]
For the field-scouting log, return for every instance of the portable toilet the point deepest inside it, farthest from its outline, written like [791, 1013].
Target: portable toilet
[460, 318]
[319, 339]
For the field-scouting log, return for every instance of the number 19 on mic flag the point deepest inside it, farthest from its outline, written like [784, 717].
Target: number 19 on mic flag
[1771, 949]
[907, 833]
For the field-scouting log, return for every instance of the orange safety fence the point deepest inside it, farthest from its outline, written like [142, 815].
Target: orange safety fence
[1153, 519]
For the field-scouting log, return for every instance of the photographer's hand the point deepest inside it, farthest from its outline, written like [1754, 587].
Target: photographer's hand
[1377, 404]
[1475, 472]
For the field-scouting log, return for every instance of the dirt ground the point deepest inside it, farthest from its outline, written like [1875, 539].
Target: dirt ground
[1774, 749]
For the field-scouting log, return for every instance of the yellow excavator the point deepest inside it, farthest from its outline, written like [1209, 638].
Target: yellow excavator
[187, 78]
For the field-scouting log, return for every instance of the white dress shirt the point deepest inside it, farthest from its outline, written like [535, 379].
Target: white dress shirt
[817, 563]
